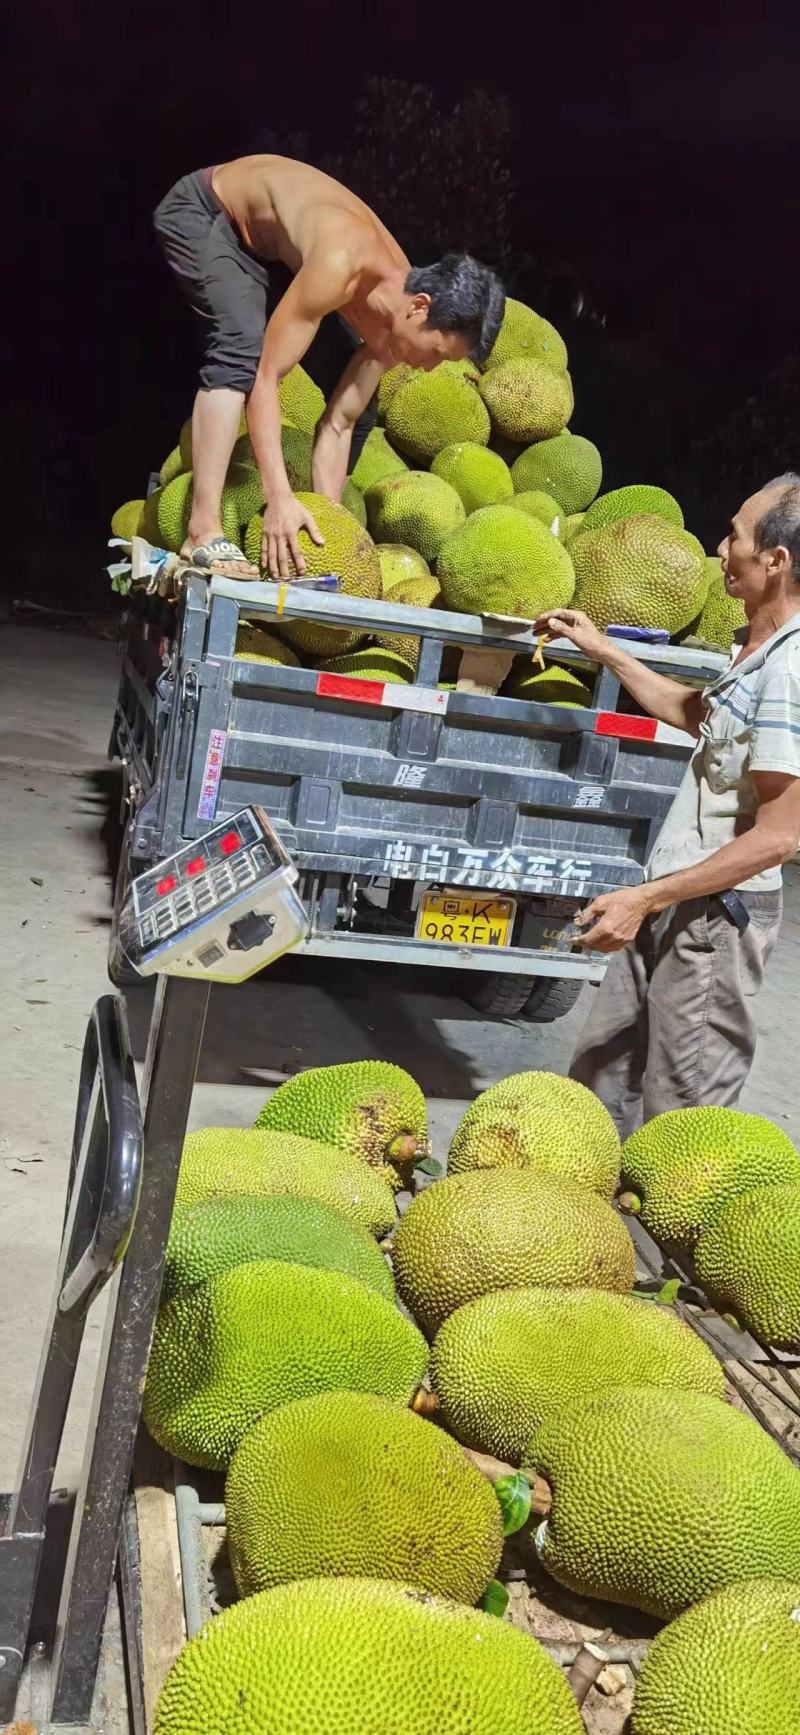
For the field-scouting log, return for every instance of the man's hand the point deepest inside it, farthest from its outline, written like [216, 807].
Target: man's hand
[569, 623]
[617, 918]
[279, 543]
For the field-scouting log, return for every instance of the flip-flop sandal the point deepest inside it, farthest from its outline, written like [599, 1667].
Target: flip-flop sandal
[219, 552]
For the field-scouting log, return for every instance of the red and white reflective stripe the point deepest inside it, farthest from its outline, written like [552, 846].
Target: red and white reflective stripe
[361, 691]
[640, 729]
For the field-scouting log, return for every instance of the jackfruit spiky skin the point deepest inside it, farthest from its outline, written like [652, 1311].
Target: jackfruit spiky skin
[349, 1485]
[504, 561]
[174, 509]
[527, 400]
[525, 333]
[323, 1655]
[542, 1122]
[369, 1109]
[399, 563]
[539, 505]
[434, 410]
[234, 1348]
[171, 467]
[414, 593]
[479, 476]
[501, 1229]
[353, 501]
[377, 460]
[297, 447]
[721, 615]
[504, 1364]
[220, 1162]
[567, 466]
[549, 686]
[391, 381]
[687, 1164]
[373, 663]
[660, 1498]
[347, 550]
[632, 502]
[571, 527]
[418, 510]
[300, 399]
[748, 1261]
[209, 1238]
[730, 1663]
[641, 572]
[127, 519]
[256, 645]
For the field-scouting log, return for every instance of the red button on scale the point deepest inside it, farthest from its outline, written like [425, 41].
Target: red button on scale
[230, 842]
[166, 885]
[196, 865]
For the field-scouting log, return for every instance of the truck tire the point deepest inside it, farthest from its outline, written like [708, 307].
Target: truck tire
[497, 995]
[120, 972]
[550, 997]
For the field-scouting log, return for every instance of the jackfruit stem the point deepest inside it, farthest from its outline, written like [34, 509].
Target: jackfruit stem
[425, 1403]
[589, 1663]
[494, 1468]
[630, 1203]
[407, 1147]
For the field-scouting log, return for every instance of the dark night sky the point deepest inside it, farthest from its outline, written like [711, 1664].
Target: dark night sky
[656, 164]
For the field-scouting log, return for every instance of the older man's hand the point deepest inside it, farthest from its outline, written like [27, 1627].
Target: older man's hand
[615, 919]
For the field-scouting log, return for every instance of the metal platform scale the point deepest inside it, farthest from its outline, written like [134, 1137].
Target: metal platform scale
[218, 910]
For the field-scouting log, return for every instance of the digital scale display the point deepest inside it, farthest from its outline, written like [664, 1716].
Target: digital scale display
[199, 879]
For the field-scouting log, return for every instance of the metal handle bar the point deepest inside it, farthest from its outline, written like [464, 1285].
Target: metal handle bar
[108, 1115]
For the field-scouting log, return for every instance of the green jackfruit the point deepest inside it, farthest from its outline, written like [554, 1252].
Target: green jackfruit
[731, 1663]
[721, 615]
[323, 1655]
[211, 1237]
[660, 1498]
[127, 519]
[171, 467]
[549, 686]
[571, 526]
[527, 400]
[391, 381]
[542, 1122]
[366, 1108]
[345, 1484]
[398, 564]
[414, 593]
[504, 1364]
[640, 572]
[685, 1165]
[220, 1162]
[149, 520]
[748, 1261]
[418, 510]
[499, 1229]
[433, 410]
[300, 399]
[353, 501]
[174, 509]
[632, 503]
[234, 1348]
[255, 645]
[373, 663]
[505, 562]
[539, 505]
[566, 466]
[479, 476]
[297, 447]
[377, 460]
[526, 333]
[347, 550]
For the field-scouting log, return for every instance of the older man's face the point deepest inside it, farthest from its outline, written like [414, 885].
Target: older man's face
[746, 572]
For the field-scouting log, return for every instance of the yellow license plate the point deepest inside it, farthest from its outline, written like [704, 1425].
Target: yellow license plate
[478, 920]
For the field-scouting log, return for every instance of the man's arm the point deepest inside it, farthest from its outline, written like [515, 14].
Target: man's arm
[670, 701]
[358, 384]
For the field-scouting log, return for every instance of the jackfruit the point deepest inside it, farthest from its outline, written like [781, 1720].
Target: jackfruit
[748, 1261]
[527, 400]
[541, 1122]
[234, 1348]
[217, 1234]
[549, 686]
[571, 526]
[347, 550]
[376, 460]
[640, 572]
[300, 399]
[391, 381]
[358, 1656]
[413, 593]
[500, 1229]
[731, 1663]
[367, 1108]
[506, 562]
[256, 645]
[432, 411]
[662, 1497]
[345, 1484]
[373, 663]
[243, 493]
[353, 501]
[539, 505]
[220, 1162]
[686, 1164]
[479, 476]
[418, 509]
[505, 1363]
[632, 503]
[127, 519]
[721, 615]
[567, 466]
[399, 563]
[171, 467]
[526, 333]
[174, 508]
[297, 447]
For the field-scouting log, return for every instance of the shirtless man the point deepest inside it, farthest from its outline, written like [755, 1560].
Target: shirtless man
[351, 308]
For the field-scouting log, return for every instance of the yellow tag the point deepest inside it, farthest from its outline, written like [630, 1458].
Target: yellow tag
[281, 601]
[537, 655]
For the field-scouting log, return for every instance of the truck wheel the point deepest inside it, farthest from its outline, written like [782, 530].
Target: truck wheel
[550, 997]
[120, 971]
[499, 996]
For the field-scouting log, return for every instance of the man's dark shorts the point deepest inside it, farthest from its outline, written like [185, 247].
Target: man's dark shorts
[233, 294]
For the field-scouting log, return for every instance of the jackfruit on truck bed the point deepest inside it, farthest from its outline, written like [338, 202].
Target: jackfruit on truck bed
[499, 1229]
[414, 593]
[721, 615]
[631, 502]
[748, 1262]
[391, 381]
[549, 686]
[541, 1122]
[373, 663]
[527, 400]
[566, 466]
[539, 505]
[174, 510]
[642, 572]
[434, 409]
[361, 1656]
[479, 476]
[505, 1363]
[366, 1108]
[504, 562]
[346, 1484]
[526, 333]
[127, 519]
[211, 1237]
[234, 1348]
[347, 550]
[172, 466]
[376, 460]
[685, 1165]
[300, 399]
[728, 1666]
[220, 1162]
[255, 645]
[661, 1497]
[399, 563]
[418, 509]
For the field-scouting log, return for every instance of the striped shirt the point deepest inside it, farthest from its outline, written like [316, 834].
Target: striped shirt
[752, 724]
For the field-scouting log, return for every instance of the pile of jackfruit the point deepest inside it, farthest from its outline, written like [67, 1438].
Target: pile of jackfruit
[391, 1396]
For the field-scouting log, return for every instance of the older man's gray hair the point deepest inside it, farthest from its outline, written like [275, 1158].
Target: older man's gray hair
[779, 526]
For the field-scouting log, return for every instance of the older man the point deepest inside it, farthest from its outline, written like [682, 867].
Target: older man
[672, 1024]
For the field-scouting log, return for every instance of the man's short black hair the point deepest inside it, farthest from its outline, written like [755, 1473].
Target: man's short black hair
[466, 297]
[779, 526]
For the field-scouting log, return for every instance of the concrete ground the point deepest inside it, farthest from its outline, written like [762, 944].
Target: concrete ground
[56, 844]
